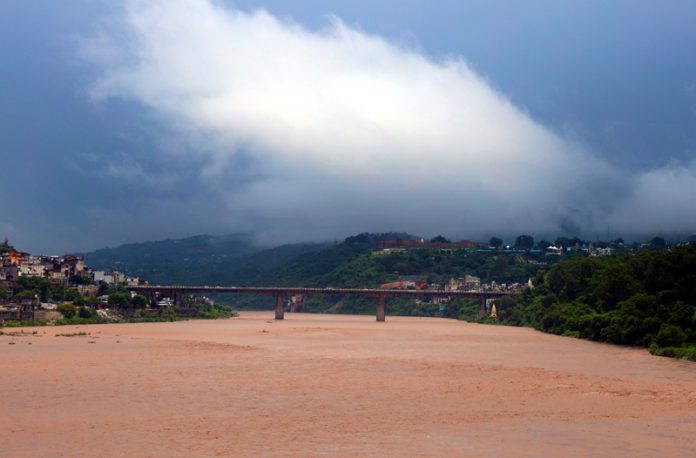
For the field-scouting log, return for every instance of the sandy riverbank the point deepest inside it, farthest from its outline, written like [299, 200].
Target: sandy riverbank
[323, 385]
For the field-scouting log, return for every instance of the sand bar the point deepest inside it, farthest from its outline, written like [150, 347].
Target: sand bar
[327, 385]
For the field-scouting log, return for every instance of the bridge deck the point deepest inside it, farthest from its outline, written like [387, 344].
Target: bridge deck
[303, 290]
[280, 293]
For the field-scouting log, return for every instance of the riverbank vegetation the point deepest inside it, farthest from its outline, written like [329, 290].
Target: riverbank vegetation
[88, 315]
[646, 299]
[115, 304]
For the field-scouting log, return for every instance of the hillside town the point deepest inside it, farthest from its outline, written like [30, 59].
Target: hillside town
[65, 269]
[52, 280]
[523, 244]
[469, 283]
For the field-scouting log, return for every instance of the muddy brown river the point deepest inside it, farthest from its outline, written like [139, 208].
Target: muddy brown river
[328, 385]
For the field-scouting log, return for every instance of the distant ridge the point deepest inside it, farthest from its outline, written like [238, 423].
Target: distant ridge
[200, 259]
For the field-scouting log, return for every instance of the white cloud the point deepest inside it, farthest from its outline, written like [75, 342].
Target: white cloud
[351, 132]
[661, 200]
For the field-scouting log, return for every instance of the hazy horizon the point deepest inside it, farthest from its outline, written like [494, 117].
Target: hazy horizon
[261, 244]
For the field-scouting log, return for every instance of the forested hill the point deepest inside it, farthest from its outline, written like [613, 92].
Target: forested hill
[203, 259]
[646, 299]
[354, 262]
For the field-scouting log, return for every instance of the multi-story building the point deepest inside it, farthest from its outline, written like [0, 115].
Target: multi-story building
[53, 267]
[113, 277]
[470, 283]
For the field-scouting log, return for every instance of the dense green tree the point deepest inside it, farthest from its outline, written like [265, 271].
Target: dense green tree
[613, 283]
[670, 336]
[72, 294]
[81, 280]
[26, 294]
[119, 299]
[645, 299]
[68, 310]
[495, 242]
[568, 279]
[524, 242]
[658, 243]
[139, 302]
[440, 239]
[86, 312]
[103, 288]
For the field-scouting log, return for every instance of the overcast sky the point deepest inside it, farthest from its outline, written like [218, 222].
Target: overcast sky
[313, 120]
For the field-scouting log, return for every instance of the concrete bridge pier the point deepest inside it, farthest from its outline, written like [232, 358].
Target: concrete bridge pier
[381, 307]
[482, 307]
[280, 306]
[179, 298]
[152, 299]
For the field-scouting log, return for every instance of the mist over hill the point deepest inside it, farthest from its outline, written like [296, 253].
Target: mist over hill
[201, 259]
[354, 262]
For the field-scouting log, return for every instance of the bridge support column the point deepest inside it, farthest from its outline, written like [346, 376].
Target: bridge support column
[381, 307]
[180, 299]
[280, 306]
[482, 307]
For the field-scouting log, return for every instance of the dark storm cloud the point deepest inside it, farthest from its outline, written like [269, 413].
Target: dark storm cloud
[192, 116]
[357, 133]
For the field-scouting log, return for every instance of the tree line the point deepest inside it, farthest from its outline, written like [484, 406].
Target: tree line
[645, 299]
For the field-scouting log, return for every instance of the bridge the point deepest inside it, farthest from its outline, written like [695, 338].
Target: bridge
[178, 293]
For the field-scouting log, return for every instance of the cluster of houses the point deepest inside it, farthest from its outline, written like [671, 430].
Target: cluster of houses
[467, 283]
[60, 270]
[16, 264]
[395, 244]
[588, 249]
[68, 270]
[387, 246]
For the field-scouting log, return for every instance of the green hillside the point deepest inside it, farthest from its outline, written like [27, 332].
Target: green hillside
[646, 299]
[356, 263]
[199, 260]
